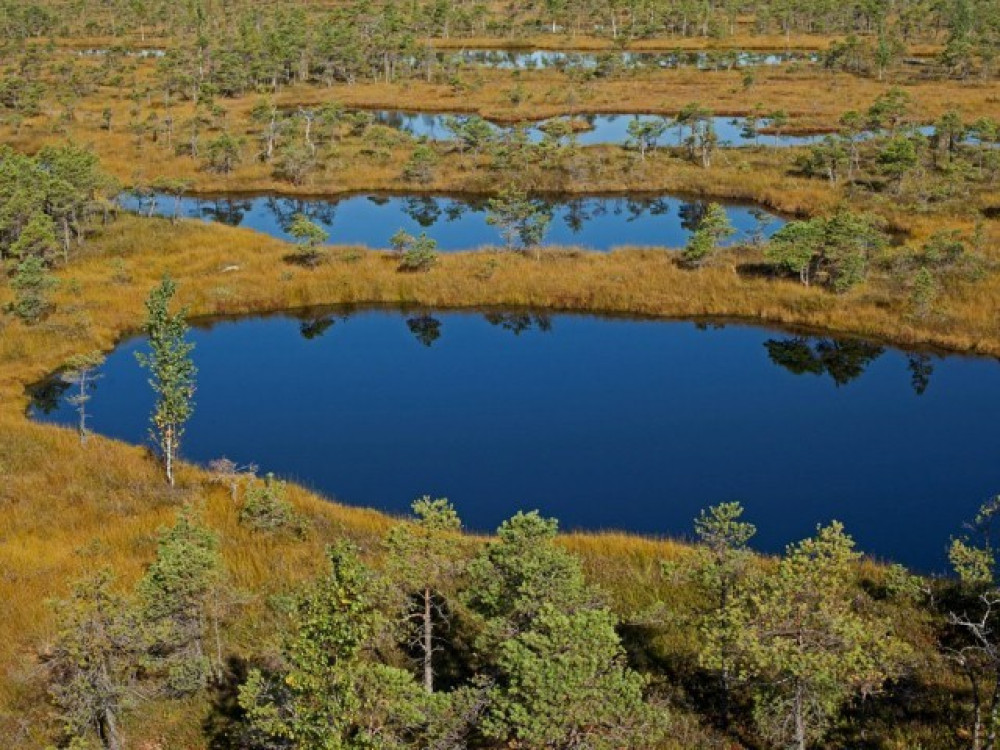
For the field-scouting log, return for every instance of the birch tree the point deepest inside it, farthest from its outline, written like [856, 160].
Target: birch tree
[172, 373]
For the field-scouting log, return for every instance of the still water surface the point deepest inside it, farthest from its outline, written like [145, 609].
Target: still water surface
[607, 60]
[595, 223]
[601, 129]
[602, 423]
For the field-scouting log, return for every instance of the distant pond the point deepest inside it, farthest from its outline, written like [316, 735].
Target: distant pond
[600, 129]
[604, 423]
[596, 223]
[527, 59]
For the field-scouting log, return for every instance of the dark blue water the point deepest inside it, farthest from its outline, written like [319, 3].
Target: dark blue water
[603, 423]
[460, 224]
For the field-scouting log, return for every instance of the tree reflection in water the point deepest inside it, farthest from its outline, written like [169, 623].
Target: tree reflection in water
[425, 328]
[921, 369]
[313, 329]
[47, 394]
[843, 360]
[519, 322]
[284, 210]
[230, 211]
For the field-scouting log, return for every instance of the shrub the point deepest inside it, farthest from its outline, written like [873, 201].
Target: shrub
[419, 253]
[420, 167]
[265, 507]
[712, 229]
[32, 283]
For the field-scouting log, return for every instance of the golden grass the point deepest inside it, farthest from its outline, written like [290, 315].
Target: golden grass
[814, 98]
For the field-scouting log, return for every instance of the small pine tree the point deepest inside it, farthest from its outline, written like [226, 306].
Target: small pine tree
[721, 566]
[425, 559]
[562, 680]
[32, 284]
[265, 507]
[38, 238]
[924, 292]
[179, 597]
[400, 240]
[332, 694]
[309, 237]
[805, 639]
[521, 221]
[420, 166]
[224, 154]
[419, 254]
[95, 665]
[712, 229]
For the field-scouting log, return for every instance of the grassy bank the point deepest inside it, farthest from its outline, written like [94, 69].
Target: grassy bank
[814, 98]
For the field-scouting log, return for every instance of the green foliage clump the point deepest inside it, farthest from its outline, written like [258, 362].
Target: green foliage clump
[309, 236]
[521, 221]
[180, 597]
[924, 292]
[561, 671]
[721, 568]
[223, 154]
[95, 665]
[265, 507]
[417, 253]
[32, 284]
[644, 135]
[48, 200]
[808, 640]
[331, 692]
[834, 251]
[420, 166]
[425, 560]
[712, 229]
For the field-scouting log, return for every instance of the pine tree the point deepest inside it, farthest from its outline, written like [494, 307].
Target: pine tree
[712, 229]
[332, 694]
[521, 221]
[806, 641]
[309, 237]
[94, 668]
[721, 567]
[924, 292]
[561, 679]
[425, 559]
[180, 597]
[32, 283]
